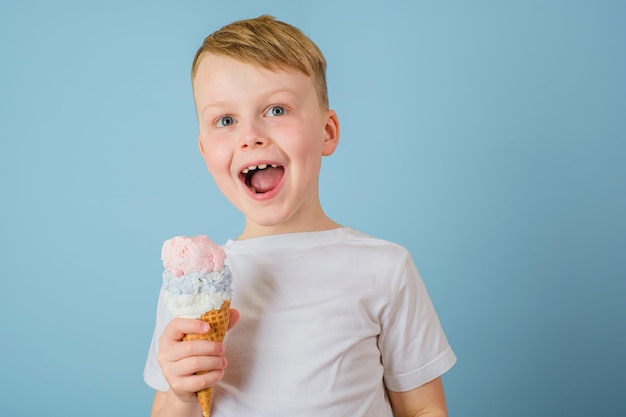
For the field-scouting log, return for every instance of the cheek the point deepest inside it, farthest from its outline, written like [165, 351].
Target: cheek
[309, 149]
[218, 166]
[216, 158]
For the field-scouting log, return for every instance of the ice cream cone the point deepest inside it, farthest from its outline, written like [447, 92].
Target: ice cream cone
[197, 282]
[218, 320]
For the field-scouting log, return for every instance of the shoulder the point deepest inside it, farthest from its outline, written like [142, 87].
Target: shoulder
[365, 239]
[381, 249]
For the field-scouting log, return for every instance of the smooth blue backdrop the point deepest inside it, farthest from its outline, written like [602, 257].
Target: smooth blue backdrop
[486, 136]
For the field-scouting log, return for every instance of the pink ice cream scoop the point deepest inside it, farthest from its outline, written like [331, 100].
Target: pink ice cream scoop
[183, 255]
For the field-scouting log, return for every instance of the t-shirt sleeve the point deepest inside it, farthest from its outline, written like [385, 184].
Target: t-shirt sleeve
[413, 346]
[152, 374]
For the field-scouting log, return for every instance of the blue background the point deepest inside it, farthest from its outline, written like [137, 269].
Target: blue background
[488, 137]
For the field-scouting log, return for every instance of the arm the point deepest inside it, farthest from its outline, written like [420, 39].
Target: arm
[427, 400]
[181, 360]
[166, 404]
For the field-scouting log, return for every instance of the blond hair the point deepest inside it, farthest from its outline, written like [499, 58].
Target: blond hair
[270, 44]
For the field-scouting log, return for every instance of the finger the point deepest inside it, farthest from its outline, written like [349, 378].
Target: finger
[193, 383]
[179, 327]
[234, 318]
[190, 348]
[200, 364]
[192, 374]
[191, 356]
[210, 378]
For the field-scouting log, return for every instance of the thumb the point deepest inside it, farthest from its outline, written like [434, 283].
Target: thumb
[234, 318]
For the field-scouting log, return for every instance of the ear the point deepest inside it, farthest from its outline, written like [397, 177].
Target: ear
[201, 147]
[331, 133]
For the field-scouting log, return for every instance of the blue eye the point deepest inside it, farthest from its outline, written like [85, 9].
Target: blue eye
[276, 111]
[225, 121]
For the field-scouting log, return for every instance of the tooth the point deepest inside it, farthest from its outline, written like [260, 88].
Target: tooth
[252, 167]
[274, 165]
[262, 166]
[245, 171]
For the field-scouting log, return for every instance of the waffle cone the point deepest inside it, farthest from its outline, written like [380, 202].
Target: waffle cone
[218, 320]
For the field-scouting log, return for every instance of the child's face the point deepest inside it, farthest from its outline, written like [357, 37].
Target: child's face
[262, 136]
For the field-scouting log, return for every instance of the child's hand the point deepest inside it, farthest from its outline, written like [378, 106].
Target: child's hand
[181, 360]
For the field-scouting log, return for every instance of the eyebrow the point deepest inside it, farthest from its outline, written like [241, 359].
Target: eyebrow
[267, 94]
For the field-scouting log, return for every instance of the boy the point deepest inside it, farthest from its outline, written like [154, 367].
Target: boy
[333, 322]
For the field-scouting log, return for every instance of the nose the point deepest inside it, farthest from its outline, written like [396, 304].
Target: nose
[253, 136]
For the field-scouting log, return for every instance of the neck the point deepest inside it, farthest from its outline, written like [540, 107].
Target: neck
[252, 230]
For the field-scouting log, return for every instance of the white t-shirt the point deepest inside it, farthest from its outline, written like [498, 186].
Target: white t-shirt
[329, 320]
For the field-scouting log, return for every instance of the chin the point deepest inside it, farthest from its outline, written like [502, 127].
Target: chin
[274, 222]
[268, 223]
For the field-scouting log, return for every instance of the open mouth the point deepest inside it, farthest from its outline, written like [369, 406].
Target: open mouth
[262, 178]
